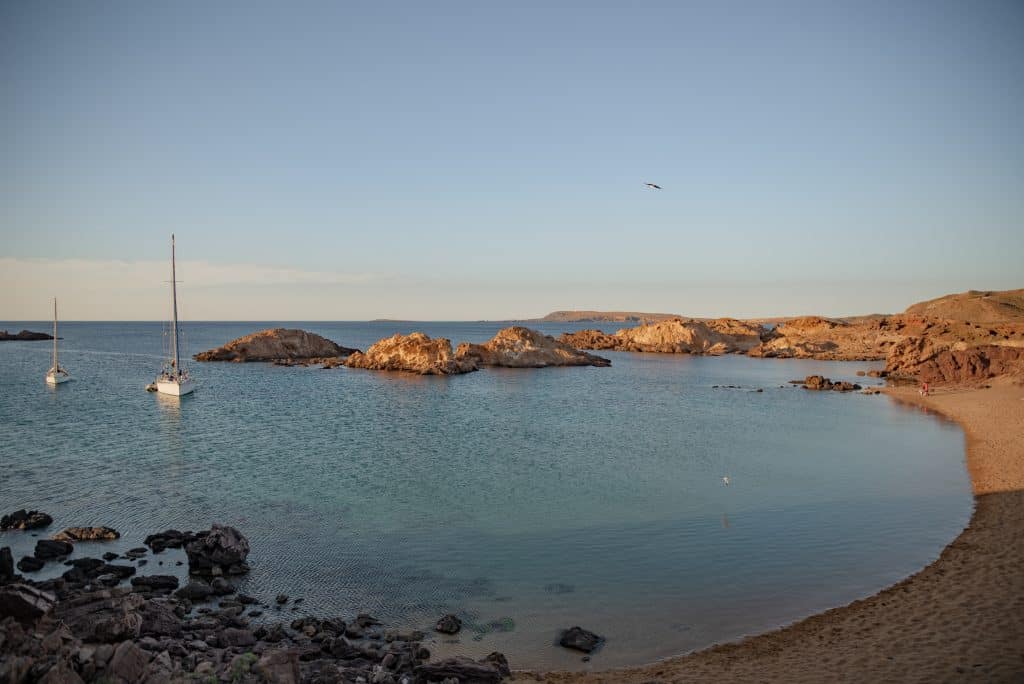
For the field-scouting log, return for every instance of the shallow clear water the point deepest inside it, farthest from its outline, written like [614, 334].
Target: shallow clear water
[525, 500]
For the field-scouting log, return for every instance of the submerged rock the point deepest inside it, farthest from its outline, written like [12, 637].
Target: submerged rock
[72, 534]
[449, 624]
[518, 347]
[412, 353]
[25, 520]
[277, 344]
[580, 639]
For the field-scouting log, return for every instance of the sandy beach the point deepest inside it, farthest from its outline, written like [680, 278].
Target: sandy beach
[960, 618]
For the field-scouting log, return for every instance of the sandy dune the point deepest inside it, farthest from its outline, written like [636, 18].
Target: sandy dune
[959, 619]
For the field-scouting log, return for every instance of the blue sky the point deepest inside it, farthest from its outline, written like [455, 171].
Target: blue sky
[485, 160]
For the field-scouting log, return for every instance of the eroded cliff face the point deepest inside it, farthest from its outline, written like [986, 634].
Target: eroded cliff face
[277, 344]
[519, 347]
[412, 353]
[675, 336]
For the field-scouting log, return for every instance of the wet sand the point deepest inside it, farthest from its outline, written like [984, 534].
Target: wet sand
[959, 619]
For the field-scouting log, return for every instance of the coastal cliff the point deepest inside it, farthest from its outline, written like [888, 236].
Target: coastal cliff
[276, 344]
[412, 353]
[519, 347]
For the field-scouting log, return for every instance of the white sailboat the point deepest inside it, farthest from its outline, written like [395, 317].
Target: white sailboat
[56, 375]
[173, 379]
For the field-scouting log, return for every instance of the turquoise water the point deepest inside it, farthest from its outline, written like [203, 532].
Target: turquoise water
[524, 500]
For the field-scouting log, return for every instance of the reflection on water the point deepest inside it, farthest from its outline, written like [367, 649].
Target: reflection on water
[489, 494]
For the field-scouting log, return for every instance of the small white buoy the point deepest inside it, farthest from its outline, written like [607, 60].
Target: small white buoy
[725, 480]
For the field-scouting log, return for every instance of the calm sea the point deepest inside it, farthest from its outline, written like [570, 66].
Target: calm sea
[525, 501]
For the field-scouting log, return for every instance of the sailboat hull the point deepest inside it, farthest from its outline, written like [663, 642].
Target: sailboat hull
[175, 388]
[52, 379]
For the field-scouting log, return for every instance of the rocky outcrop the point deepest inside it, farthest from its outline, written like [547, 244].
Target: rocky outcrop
[221, 550]
[48, 549]
[449, 624]
[73, 534]
[675, 336]
[412, 353]
[820, 382]
[975, 306]
[936, 362]
[813, 337]
[25, 520]
[277, 344]
[519, 347]
[24, 603]
[24, 335]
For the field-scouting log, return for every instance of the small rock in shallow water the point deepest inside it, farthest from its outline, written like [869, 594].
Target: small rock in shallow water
[449, 624]
[73, 534]
[25, 520]
[580, 639]
[30, 564]
[281, 599]
[48, 549]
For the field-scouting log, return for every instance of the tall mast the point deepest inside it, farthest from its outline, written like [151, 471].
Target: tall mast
[174, 300]
[55, 335]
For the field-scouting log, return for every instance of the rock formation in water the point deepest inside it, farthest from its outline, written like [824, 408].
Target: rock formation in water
[221, 550]
[674, 336]
[277, 344]
[519, 347]
[412, 353]
[73, 534]
[24, 335]
[25, 520]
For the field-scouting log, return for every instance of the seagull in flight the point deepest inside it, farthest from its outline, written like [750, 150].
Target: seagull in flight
[653, 186]
[725, 480]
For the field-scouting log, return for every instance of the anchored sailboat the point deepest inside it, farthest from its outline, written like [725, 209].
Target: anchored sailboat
[56, 375]
[173, 379]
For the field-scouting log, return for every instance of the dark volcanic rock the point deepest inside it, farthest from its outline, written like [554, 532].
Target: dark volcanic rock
[221, 550]
[449, 624]
[580, 639]
[25, 520]
[73, 534]
[48, 549]
[24, 603]
[461, 669]
[30, 564]
[169, 539]
[155, 582]
[6, 564]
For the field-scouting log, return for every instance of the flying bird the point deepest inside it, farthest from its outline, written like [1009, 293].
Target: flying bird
[653, 186]
[725, 480]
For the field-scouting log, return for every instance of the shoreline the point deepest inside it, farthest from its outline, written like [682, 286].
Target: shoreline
[960, 617]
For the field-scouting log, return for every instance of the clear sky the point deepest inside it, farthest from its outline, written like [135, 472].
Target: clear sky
[475, 160]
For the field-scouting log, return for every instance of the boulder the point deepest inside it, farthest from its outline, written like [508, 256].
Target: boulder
[194, 591]
[48, 549]
[105, 616]
[159, 620]
[412, 353]
[817, 382]
[279, 666]
[31, 564]
[277, 344]
[25, 520]
[24, 603]
[156, 583]
[449, 624]
[222, 549]
[580, 639]
[461, 669]
[169, 539]
[128, 663]
[73, 534]
[6, 564]
[518, 347]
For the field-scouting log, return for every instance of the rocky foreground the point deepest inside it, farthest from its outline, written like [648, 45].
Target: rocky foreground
[102, 622]
[279, 345]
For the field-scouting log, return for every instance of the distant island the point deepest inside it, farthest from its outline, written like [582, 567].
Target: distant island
[605, 316]
[23, 335]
